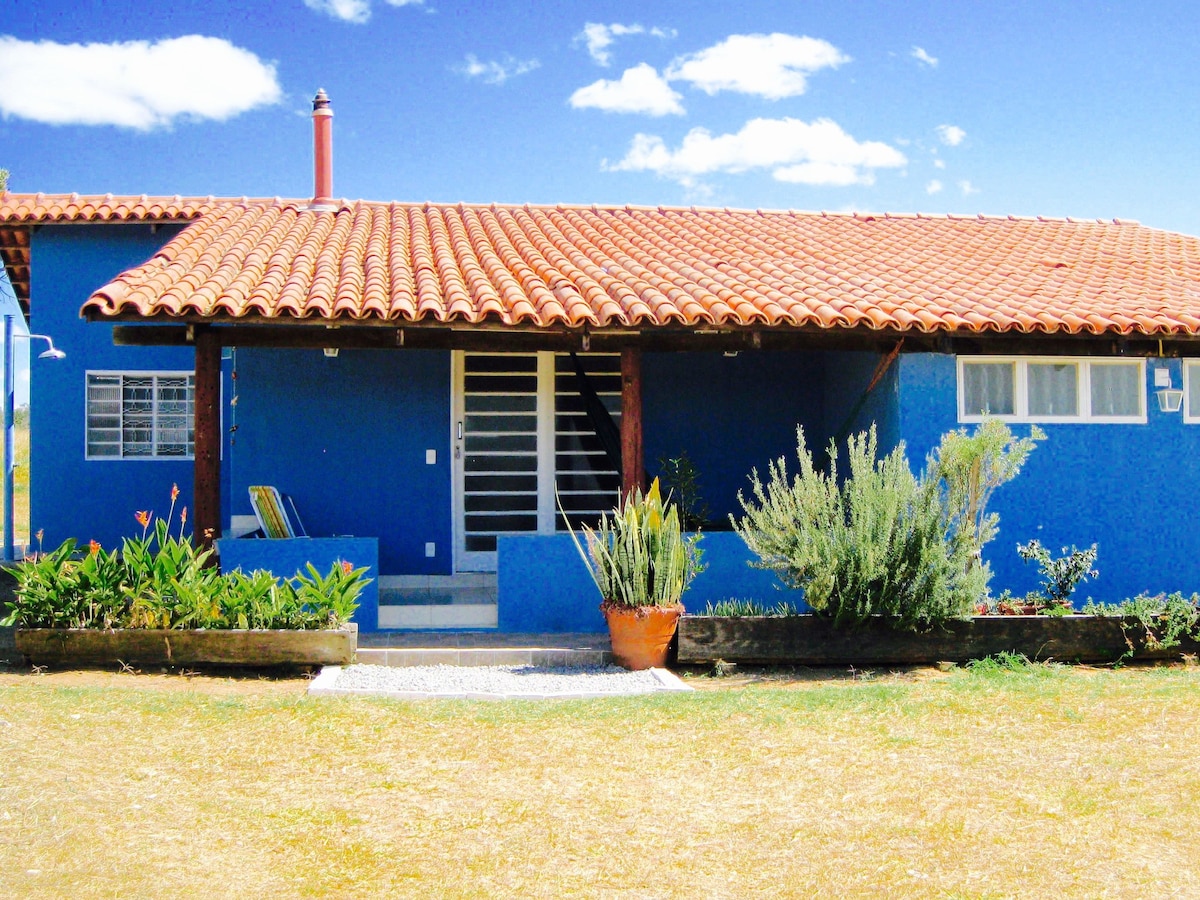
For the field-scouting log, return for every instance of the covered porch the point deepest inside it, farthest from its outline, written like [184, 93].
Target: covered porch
[458, 474]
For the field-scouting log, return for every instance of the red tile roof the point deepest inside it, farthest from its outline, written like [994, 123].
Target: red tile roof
[20, 212]
[550, 267]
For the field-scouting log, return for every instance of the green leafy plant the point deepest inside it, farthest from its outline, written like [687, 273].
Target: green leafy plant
[160, 580]
[878, 542]
[682, 479]
[638, 556]
[1061, 575]
[1159, 621]
[972, 467]
[735, 608]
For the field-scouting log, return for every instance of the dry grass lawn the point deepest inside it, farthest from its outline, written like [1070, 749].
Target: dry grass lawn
[1051, 783]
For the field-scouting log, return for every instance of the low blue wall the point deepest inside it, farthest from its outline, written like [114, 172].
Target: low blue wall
[285, 557]
[545, 587]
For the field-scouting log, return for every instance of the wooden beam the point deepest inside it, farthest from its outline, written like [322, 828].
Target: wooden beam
[491, 338]
[633, 463]
[207, 487]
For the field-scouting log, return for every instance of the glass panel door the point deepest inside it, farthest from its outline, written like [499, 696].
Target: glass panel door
[497, 445]
[523, 423]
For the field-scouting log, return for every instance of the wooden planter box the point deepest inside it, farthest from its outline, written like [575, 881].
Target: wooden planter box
[151, 647]
[808, 640]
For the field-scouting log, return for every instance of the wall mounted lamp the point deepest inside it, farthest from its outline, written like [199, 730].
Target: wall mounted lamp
[1169, 399]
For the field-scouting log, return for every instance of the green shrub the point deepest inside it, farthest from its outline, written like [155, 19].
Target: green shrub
[1162, 620]
[972, 467]
[879, 542]
[1060, 576]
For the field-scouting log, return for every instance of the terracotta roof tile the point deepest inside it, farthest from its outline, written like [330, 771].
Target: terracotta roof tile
[615, 267]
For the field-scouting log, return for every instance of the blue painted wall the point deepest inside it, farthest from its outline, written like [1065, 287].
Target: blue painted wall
[346, 438]
[729, 414]
[1126, 487]
[70, 495]
[847, 377]
[544, 585]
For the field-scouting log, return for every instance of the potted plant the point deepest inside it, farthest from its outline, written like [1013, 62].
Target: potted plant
[641, 563]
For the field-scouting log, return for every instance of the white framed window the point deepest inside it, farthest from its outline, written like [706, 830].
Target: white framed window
[1191, 391]
[1052, 389]
[141, 415]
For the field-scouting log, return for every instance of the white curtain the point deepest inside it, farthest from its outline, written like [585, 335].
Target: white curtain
[1053, 389]
[1115, 389]
[989, 389]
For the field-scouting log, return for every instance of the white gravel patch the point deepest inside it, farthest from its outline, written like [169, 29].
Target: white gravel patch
[491, 682]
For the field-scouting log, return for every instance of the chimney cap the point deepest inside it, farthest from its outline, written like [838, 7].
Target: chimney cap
[321, 101]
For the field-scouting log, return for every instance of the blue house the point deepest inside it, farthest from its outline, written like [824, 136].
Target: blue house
[426, 377]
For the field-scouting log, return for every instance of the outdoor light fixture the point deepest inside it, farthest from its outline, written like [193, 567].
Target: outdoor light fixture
[1169, 399]
[51, 352]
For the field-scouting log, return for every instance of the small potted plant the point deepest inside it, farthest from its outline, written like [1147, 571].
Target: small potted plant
[641, 563]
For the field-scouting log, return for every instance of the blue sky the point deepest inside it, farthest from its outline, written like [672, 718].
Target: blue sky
[1078, 109]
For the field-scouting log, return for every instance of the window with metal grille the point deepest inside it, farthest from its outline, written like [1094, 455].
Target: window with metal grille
[140, 415]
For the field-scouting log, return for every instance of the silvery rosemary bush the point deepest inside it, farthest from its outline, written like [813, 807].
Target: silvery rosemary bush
[877, 542]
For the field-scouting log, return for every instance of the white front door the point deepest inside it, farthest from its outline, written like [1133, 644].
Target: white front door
[520, 423]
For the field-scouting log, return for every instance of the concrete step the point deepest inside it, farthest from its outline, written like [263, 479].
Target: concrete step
[483, 656]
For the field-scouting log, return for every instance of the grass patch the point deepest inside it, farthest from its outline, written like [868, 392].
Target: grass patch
[1055, 781]
[20, 477]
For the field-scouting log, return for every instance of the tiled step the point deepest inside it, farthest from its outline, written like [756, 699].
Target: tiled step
[483, 656]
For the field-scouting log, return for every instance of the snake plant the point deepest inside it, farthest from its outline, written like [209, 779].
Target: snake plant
[638, 555]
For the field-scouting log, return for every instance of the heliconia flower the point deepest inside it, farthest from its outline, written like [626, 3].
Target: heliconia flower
[183, 516]
[143, 517]
[93, 547]
[174, 492]
[347, 568]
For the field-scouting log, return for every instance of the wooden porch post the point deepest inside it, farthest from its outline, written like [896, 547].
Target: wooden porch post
[207, 488]
[633, 464]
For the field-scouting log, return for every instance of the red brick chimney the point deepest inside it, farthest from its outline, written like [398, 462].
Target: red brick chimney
[322, 152]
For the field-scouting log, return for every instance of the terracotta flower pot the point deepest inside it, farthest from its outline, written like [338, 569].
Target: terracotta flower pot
[641, 636]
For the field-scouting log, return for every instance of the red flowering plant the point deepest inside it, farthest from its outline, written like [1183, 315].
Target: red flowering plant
[169, 579]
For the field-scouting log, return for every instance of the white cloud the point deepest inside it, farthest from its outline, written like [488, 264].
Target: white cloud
[919, 54]
[496, 72]
[639, 90]
[354, 11]
[939, 164]
[817, 153]
[950, 135]
[600, 37]
[967, 188]
[773, 66]
[136, 84]
[934, 187]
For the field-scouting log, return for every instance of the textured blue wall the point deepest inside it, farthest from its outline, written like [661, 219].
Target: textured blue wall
[346, 437]
[1126, 487]
[729, 414]
[545, 586]
[847, 376]
[71, 496]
